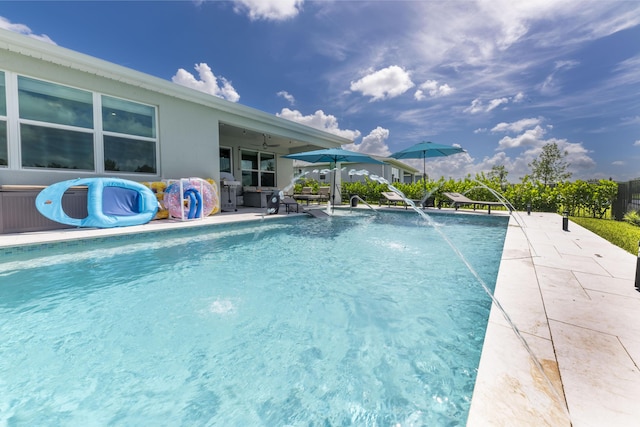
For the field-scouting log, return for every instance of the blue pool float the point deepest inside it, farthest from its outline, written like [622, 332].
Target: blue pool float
[111, 202]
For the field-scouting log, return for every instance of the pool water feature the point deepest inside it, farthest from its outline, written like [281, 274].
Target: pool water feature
[353, 320]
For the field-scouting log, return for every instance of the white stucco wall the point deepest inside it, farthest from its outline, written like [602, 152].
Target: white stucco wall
[373, 169]
[187, 132]
[189, 127]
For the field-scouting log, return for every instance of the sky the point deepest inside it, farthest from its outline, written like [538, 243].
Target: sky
[499, 78]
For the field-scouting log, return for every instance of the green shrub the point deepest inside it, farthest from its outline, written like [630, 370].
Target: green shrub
[579, 198]
[305, 182]
[632, 217]
[368, 190]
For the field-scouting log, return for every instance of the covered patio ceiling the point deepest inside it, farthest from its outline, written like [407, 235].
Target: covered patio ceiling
[277, 139]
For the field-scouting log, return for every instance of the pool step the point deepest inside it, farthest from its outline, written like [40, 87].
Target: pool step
[317, 213]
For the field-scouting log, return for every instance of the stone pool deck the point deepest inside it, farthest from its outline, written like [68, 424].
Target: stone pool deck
[572, 299]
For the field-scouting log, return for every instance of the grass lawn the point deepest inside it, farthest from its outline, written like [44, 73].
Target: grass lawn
[619, 233]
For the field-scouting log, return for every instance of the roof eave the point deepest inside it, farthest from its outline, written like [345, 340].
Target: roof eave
[64, 57]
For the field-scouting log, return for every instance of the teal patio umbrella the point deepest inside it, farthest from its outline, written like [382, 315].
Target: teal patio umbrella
[333, 155]
[425, 149]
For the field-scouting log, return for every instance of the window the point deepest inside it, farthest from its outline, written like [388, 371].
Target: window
[3, 96]
[225, 160]
[53, 103]
[249, 161]
[126, 117]
[395, 174]
[56, 125]
[129, 155]
[58, 129]
[4, 152]
[258, 169]
[267, 170]
[44, 147]
[129, 136]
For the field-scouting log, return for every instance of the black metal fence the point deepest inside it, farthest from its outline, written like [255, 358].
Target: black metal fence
[628, 199]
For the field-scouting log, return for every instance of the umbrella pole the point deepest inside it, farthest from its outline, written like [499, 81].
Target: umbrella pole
[424, 172]
[334, 188]
[332, 180]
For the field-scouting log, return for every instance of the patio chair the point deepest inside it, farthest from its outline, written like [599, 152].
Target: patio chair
[289, 204]
[392, 197]
[461, 200]
[324, 194]
[306, 194]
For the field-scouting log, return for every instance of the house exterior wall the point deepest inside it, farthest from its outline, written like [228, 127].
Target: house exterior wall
[188, 122]
[187, 132]
[384, 171]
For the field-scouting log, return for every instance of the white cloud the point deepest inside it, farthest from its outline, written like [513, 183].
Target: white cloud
[479, 32]
[477, 106]
[385, 83]
[373, 144]
[319, 120]
[531, 137]
[631, 120]
[495, 103]
[455, 166]
[532, 141]
[519, 97]
[434, 89]
[577, 155]
[286, 95]
[208, 82]
[637, 143]
[566, 65]
[269, 10]
[462, 165]
[552, 85]
[5, 24]
[517, 126]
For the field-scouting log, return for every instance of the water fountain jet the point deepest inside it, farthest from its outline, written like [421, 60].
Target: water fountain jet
[488, 291]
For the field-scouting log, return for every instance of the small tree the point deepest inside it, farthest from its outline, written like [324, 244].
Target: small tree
[498, 174]
[550, 166]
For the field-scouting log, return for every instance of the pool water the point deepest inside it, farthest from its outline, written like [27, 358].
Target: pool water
[364, 320]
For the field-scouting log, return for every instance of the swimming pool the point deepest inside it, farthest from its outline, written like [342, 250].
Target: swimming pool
[355, 320]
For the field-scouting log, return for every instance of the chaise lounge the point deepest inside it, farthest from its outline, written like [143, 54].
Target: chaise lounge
[391, 197]
[324, 194]
[289, 204]
[306, 194]
[460, 200]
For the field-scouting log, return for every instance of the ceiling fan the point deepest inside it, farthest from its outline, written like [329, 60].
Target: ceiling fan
[264, 142]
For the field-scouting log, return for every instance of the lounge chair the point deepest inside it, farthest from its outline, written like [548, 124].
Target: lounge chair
[392, 197]
[460, 200]
[289, 204]
[324, 193]
[306, 194]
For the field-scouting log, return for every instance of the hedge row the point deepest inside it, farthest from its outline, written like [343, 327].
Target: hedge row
[579, 198]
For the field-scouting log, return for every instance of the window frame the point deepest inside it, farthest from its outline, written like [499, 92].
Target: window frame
[395, 174]
[260, 171]
[230, 150]
[4, 119]
[102, 133]
[15, 138]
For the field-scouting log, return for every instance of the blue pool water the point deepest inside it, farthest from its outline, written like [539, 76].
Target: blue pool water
[360, 320]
